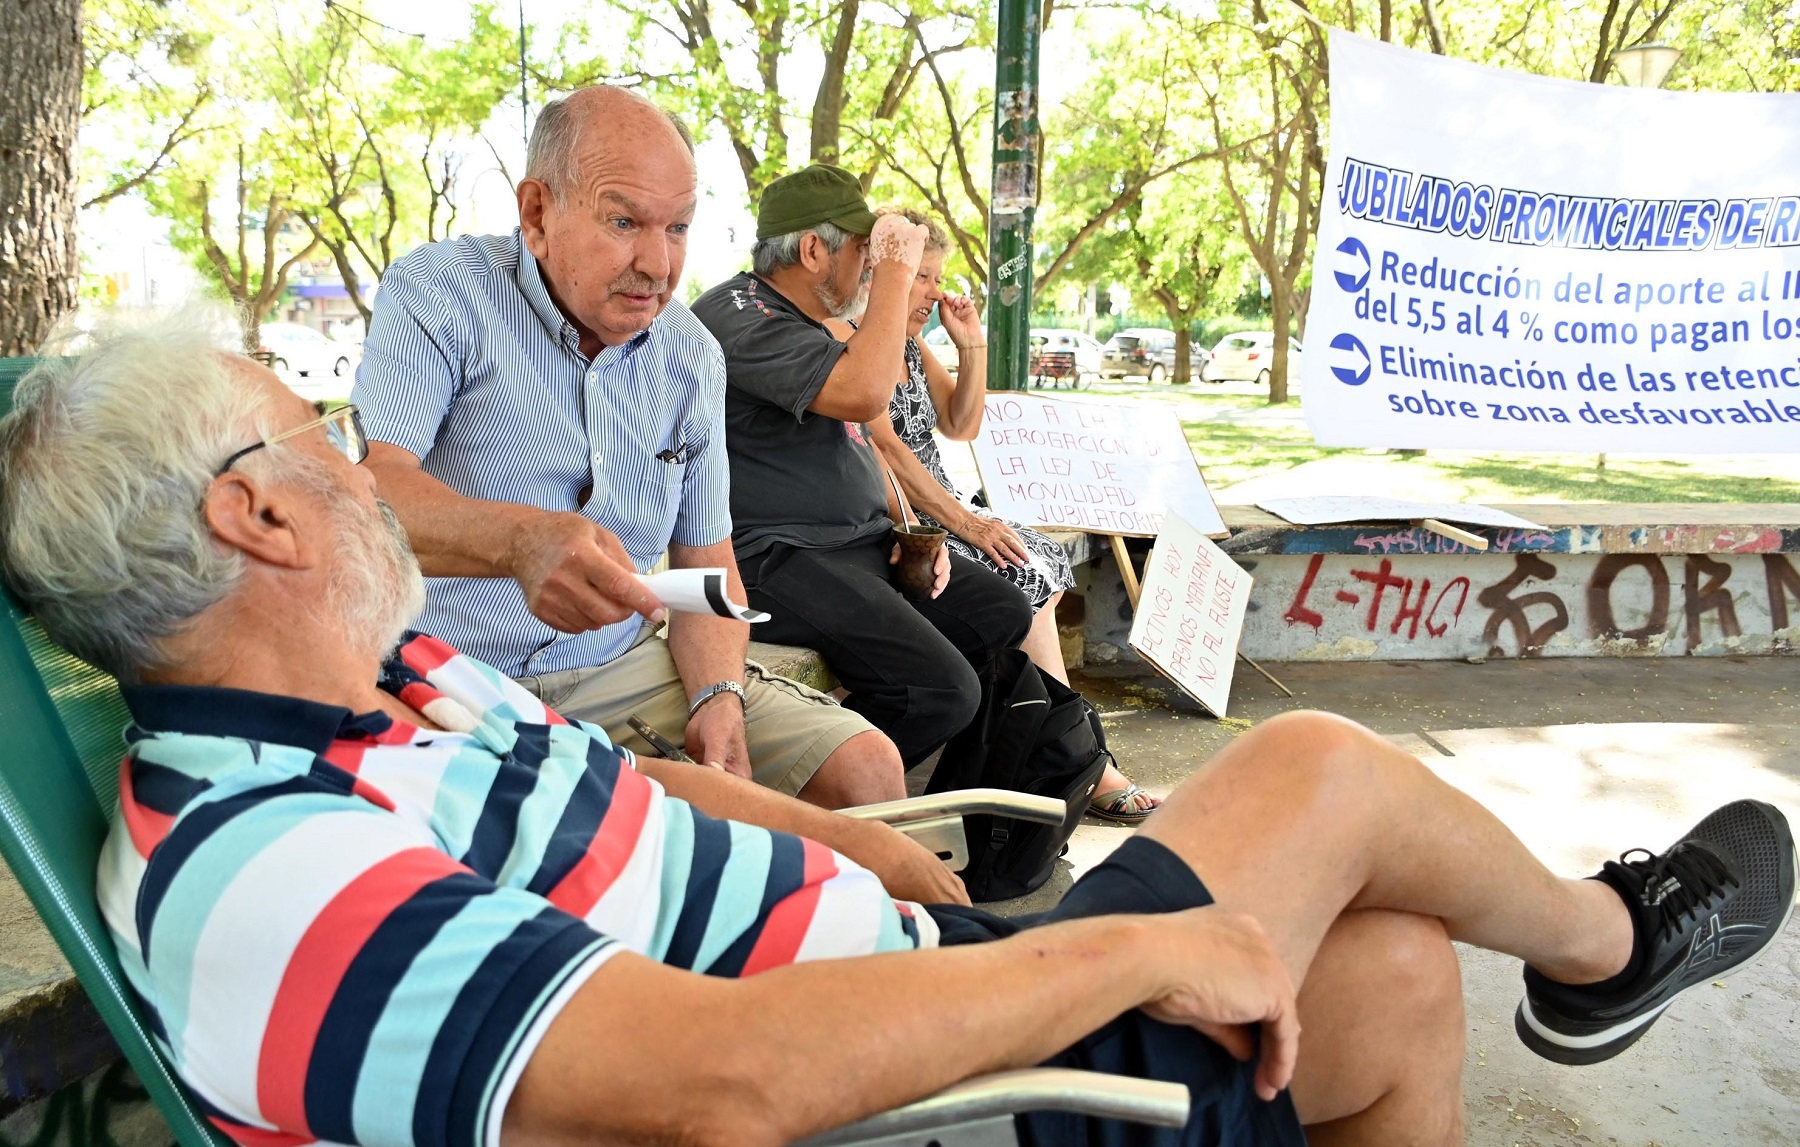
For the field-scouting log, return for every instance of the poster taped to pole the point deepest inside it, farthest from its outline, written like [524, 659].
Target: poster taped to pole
[1512, 262]
[1101, 467]
[1191, 613]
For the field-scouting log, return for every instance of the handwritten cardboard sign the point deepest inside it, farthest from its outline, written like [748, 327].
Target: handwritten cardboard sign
[1099, 467]
[1191, 613]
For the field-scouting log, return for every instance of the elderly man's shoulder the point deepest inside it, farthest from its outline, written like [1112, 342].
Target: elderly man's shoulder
[465, 259]
[679, 325]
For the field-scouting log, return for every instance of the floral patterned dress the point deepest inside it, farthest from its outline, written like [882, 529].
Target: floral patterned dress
[914, 419]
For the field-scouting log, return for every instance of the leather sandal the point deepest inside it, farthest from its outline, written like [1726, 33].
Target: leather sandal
[1121, 805]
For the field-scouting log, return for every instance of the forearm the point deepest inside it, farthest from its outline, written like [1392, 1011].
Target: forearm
[720, 795]
[862, 383]
[453, 535]
[807, 1047]
[708, 649]
[962, 420]
[924, 491]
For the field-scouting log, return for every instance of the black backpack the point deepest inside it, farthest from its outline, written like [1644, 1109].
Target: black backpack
[1032, 734]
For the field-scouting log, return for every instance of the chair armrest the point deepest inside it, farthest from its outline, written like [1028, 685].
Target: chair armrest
[964, 802]
[1091, 1093]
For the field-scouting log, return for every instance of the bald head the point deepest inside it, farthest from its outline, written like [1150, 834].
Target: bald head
[561, 148]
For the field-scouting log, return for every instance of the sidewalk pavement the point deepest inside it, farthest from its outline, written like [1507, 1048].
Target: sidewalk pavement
[1583, 759]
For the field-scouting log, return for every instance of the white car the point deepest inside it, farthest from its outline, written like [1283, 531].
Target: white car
[1062, 354]
[1247, 356]
[299, 350]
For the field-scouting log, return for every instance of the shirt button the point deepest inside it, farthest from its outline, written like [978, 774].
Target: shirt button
[596, 456]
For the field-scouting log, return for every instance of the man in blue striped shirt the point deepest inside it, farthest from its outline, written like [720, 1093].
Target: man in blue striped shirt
[547, 422]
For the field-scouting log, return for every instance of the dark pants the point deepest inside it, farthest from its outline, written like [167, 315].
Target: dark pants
[911, 667]
[1141, 876]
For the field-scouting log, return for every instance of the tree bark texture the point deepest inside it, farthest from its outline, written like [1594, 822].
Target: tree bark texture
[40, 114]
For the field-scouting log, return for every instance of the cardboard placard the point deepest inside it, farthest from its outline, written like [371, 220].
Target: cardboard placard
[1106, 468]
[1191, 613]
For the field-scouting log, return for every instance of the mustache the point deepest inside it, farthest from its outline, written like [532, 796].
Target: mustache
[632, 283]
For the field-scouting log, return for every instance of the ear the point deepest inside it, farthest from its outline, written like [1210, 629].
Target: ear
[813, 255]
[535, 204]
[259, 521]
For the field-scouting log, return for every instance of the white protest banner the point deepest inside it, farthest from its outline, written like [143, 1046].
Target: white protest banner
[1191, 613]
[1512, 262]
[1100, 467]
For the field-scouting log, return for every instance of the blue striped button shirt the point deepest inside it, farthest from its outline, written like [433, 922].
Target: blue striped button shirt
[471, 367]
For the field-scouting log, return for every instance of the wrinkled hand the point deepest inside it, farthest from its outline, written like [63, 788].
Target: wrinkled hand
[894, 238]
[962, 322]
[941, 567]
[577, 576]
[907, 869]
[996, 539]
[715, 737]
[1225, 979]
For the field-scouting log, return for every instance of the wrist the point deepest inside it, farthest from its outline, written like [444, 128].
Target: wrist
[964, 348]
[709, 697]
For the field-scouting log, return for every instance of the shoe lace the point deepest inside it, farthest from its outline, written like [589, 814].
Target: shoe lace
[1680, 883]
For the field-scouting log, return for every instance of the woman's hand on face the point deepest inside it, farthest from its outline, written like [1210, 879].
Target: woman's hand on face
[995, 539]
[961, 321]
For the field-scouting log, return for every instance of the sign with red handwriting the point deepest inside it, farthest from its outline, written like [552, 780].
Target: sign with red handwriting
[1099, 467]
[1191, 613]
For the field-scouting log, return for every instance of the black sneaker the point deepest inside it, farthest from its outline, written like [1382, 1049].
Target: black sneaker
[1714, 900]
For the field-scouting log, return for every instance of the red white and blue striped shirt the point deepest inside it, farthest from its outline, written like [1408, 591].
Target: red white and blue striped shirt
[349, 929]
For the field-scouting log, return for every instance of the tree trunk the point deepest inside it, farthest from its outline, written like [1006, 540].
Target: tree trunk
[1184, 353]
[40, 65]
[1282, 306]
[828, 104]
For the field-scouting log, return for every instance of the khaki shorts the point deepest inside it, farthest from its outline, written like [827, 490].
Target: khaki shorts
[789, 728]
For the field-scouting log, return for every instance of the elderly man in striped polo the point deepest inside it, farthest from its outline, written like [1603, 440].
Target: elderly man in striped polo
[547, 420]
[386, 897]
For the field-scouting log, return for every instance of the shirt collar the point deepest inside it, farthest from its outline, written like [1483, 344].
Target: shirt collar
[530, 278]
[208, 711]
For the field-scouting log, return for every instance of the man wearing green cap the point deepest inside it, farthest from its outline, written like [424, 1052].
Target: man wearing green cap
[809, 503]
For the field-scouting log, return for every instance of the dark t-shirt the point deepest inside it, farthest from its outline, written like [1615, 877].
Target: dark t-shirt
[797, 478]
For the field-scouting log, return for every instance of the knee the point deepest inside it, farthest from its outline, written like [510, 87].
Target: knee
[1010, 618]
[1322, 755]
[865, 769]
[1423, 971]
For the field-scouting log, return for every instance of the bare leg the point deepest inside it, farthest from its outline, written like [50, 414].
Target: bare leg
[1309, 815]
[865, 769]
[1381, 1060]
[1043, 644]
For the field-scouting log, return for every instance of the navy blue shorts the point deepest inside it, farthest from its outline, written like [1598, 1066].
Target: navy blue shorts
[1141, 876]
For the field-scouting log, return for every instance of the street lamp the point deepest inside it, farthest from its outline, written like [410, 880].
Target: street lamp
[1645, 65]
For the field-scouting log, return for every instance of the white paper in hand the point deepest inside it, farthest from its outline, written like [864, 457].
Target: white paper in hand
[698, 591]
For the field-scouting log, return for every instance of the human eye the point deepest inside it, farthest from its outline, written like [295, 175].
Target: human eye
[680, 228]
[621, 223]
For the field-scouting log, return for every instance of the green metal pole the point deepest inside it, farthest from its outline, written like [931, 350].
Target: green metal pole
[1013, 202]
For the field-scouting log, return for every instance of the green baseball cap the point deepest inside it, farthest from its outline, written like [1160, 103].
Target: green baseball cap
[813, 195]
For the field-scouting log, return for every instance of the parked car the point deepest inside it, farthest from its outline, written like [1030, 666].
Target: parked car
[1247, 355]
[297, 349]
[942, 349]
[1148, 351]
[1061, 355]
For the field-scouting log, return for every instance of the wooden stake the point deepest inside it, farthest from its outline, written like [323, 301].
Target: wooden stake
[1473, 541]
[1273, 680]
[1127, 571]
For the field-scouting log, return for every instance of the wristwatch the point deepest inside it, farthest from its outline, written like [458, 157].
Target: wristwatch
[711, 691]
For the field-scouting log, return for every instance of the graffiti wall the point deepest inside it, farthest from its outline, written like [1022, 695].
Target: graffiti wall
[1381, 606]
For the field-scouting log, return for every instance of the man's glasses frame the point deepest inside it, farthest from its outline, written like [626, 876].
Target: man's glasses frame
[343, 427]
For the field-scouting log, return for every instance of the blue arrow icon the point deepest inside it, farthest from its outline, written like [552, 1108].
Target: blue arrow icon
[1354, 368]
[1355, 276]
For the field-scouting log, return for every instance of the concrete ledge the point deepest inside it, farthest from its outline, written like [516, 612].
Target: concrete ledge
[1569, 528]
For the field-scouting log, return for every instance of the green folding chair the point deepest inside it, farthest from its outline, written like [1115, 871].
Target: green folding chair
[59, 780]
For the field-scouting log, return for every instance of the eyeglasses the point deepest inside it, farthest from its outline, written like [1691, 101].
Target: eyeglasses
[343, 427]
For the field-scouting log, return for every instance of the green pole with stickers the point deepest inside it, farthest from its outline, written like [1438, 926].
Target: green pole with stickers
[1013, 201]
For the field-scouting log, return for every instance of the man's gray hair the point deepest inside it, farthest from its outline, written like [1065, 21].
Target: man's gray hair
[551, 152]
[105, 462]
[779, 252]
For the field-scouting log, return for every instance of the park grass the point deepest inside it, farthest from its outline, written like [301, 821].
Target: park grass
[1262, 451]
